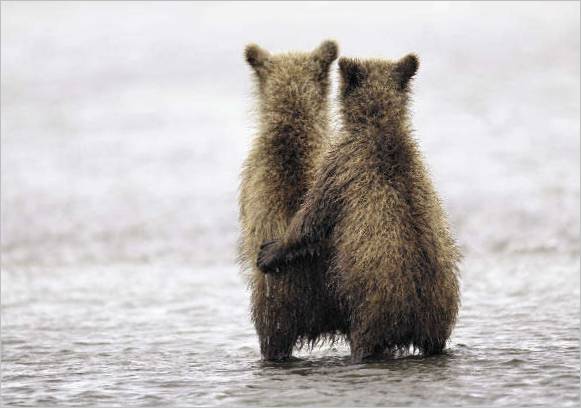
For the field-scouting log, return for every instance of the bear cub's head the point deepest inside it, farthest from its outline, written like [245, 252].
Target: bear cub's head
[294, 84]
[375, 91]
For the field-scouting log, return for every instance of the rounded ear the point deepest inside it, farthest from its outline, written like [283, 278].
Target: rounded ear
[405, 69]
[352, 74]
[326, 53]
[256, 57]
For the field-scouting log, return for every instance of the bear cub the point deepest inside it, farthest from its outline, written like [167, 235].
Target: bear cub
[374, 217]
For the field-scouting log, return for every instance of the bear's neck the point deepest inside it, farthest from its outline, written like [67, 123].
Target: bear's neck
[290, 134]
[293, 147]
[389, 144]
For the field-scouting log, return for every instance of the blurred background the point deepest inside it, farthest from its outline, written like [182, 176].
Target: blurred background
[124, 126]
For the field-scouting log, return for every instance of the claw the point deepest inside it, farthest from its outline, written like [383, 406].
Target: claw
[268, 257]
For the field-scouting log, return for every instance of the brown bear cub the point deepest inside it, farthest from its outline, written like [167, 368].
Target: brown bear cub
[373, 212]
[293, 130]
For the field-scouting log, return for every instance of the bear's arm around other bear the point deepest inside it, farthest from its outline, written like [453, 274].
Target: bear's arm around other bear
[276, 254]
[309, 229]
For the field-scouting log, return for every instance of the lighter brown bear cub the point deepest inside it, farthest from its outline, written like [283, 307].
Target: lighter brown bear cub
[292, 132]
[373, 211]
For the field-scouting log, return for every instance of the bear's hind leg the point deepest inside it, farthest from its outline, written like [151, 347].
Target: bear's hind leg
[366, 352]
[275, 316]
[278, 328]
[432, 347]
[277, 347]
[367, 347]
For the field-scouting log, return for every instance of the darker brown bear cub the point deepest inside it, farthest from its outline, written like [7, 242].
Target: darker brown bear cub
[374, 215]
[292, 90]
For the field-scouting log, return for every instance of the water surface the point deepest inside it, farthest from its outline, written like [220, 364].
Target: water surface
[136, 334]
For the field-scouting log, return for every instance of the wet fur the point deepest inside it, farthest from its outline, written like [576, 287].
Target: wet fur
[292, 93]
[374, 214]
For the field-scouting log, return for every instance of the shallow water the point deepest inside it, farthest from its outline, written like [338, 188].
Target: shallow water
[135, 334]
[124, 126]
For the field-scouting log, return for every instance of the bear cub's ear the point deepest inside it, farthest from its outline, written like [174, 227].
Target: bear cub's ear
[405, 69]
[256, 57]
[326, 53]
[352, 74]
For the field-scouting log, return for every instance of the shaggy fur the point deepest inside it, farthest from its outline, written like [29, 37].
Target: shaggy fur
[374, 212]
[293, 130]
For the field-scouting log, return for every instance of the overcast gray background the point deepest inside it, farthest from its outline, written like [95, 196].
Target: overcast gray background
[124, 125]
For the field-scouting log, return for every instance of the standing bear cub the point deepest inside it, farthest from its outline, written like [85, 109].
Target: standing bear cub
[373, 213]
[292, 92]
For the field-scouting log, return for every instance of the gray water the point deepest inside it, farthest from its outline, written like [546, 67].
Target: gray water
[123, 130]
[135, 334]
